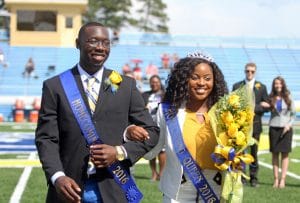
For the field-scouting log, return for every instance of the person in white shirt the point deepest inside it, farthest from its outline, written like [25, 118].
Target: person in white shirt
[261, 106]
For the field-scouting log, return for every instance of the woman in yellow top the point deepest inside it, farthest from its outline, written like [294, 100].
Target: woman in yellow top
[194, 86]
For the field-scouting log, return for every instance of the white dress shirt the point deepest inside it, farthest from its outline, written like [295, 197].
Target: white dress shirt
[250, 83]
[84, 76]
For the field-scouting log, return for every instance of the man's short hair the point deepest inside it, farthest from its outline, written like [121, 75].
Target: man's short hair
[89, 24]
[250, 64]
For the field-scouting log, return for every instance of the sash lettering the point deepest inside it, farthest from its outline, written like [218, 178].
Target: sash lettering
[188, 163]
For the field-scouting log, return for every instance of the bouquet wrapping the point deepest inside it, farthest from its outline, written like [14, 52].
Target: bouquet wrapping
[232, 123]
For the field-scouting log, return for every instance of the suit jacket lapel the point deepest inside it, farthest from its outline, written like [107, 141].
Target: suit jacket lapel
[103, 92]
[241, 84]
[256, 91]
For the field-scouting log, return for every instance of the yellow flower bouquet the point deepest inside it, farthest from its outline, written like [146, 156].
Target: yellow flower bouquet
[231, 119]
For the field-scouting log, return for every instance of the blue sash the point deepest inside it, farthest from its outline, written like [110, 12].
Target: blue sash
[186, 160]
[122, 178]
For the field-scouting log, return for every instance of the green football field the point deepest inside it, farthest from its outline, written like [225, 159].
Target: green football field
[22, 179]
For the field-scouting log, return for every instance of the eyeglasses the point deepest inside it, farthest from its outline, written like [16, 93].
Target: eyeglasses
[94, 43]
[250, 71]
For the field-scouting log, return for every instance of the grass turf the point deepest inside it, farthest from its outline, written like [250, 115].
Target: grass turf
[17, 127]
[9, 179]
[36, 187]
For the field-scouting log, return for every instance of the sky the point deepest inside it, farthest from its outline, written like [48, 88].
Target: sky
[246, 18]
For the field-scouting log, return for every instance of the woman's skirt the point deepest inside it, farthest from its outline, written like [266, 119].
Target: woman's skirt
[280, 142]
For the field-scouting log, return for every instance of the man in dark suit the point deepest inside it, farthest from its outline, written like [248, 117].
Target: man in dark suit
[261, 106]
[63, 149]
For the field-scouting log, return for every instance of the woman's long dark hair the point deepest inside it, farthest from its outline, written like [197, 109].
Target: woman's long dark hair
[177, 83]
[285, 93]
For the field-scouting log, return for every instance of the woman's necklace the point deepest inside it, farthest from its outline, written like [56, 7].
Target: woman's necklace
[199, 114]
[199, 111]
[200, 117]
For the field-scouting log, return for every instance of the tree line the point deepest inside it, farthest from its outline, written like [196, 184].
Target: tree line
[146, 15]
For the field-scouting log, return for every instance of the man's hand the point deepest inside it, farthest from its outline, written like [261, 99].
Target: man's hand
[68, 189]
[137, 133]
[103, 155]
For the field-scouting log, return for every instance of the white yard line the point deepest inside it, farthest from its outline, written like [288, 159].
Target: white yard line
[19, 189]
[295, 160]
[12, 146]
[293, 175]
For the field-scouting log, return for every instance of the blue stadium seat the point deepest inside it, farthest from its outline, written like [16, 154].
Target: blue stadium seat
[230, 54]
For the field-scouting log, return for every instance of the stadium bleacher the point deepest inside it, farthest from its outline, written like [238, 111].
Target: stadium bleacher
[231, 54]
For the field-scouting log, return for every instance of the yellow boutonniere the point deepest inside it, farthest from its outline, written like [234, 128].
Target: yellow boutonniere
[114, 81]
[257, 85]
[115, 77]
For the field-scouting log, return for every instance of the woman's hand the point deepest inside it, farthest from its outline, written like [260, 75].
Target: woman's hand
[137, 133]
[286, 128]
[265, 104]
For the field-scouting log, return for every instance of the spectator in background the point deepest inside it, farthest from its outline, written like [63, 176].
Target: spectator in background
[29, 68]
[138, 76]
[175, 58]
[261, 106]
[51, 70]
[165, 60]
[137, 72]
[1, 56]
[129, 74]
[36, 104]
[152, 99]
[151, 70]
[283, 114]
[2, 59]
[115, 38]
[126, 68]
